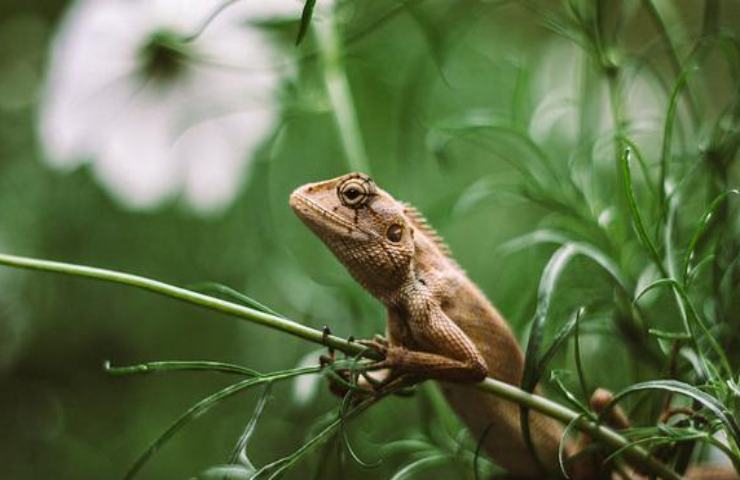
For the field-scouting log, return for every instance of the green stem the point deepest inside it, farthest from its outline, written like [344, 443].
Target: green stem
[635, 455]
[672, 54]
[610, 438]
[206, 301]
[340, 95]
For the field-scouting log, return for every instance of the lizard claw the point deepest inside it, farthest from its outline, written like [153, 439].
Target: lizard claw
[330, 357]
[378, 344]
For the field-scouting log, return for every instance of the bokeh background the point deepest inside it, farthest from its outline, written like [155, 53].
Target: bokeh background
[127, 145]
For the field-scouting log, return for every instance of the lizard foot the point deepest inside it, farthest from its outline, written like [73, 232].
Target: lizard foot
[341, 380]
[389, 373]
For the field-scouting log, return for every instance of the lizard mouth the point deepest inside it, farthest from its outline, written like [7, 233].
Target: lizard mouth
[317, 217]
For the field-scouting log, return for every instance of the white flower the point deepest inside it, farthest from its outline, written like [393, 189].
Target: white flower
[156, 115]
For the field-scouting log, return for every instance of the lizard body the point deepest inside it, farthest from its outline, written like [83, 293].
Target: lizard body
[440, 325]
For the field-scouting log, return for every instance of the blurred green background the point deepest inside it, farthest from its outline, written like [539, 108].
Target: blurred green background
[452, 98]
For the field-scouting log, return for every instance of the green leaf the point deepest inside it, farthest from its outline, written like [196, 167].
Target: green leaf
[561, 336]
[561, 444]
[548, 280]
[577, 355]
[239, 453]
[227, 293]
[641, 161]
[585, 249]
[346, 402]
[421, 465]
[478, 447]
[179, 365]
[206, 404]
[277, 468]
[701, 229]
[533, 238]
[668, 133]
[669, 335]
[709, 402]
[635, 213]
[557, 377]
[486, 121]
[693, 317]
[306, 16]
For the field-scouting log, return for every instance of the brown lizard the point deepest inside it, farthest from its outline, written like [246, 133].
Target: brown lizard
[440, 325]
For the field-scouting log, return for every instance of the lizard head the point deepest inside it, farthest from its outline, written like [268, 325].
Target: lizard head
[364, 227]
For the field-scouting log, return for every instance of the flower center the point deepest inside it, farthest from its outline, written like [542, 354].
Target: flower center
[164, 55]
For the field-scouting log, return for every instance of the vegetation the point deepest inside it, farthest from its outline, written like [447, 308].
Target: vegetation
[581, 160]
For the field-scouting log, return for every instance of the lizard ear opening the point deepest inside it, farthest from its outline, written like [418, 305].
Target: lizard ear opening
[394, 233]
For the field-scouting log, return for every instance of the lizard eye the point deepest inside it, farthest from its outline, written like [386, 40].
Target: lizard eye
[354, 192]
[394, 233]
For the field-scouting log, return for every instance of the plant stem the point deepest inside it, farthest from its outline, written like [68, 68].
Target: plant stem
[634, 454]
[212, 303]
[340, 95]
[607, 436]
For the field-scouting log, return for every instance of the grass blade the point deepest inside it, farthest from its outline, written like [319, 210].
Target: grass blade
[577, 354]
[345, 437]
[693, 317]
[548, 280]
[420, 465]
[179, 365]
[227, 293]
[561, 336]
[562, 443]
[206, 404]
[701, 229]
[306, 16]
[240, 449]
[665, 151]
[709, 402]
[636, 217]
[275, 469]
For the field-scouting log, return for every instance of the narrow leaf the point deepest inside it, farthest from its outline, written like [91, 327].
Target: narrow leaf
[577, 355]
[561, 336]
[240, 449]
[669, 335]
[701, 228]
[179, 365]
[227, 293]
[421, 465]
[275, 469]
[561, 444]
[693, 317]
[668, 134]
[709, 402]
[548, 280]
[206, 404]
[635, 212]
[306, 16]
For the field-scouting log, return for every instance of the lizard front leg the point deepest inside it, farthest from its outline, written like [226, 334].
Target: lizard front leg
[432, 347]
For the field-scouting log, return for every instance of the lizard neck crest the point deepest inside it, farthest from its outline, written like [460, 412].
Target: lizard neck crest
[420, 223]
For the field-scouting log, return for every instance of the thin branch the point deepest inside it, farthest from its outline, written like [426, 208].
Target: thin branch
[608, 437]
[195, 298]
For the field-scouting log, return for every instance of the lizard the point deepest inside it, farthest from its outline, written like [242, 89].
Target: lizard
[440, 325]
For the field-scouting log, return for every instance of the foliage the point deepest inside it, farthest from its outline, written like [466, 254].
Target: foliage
[580, 158]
